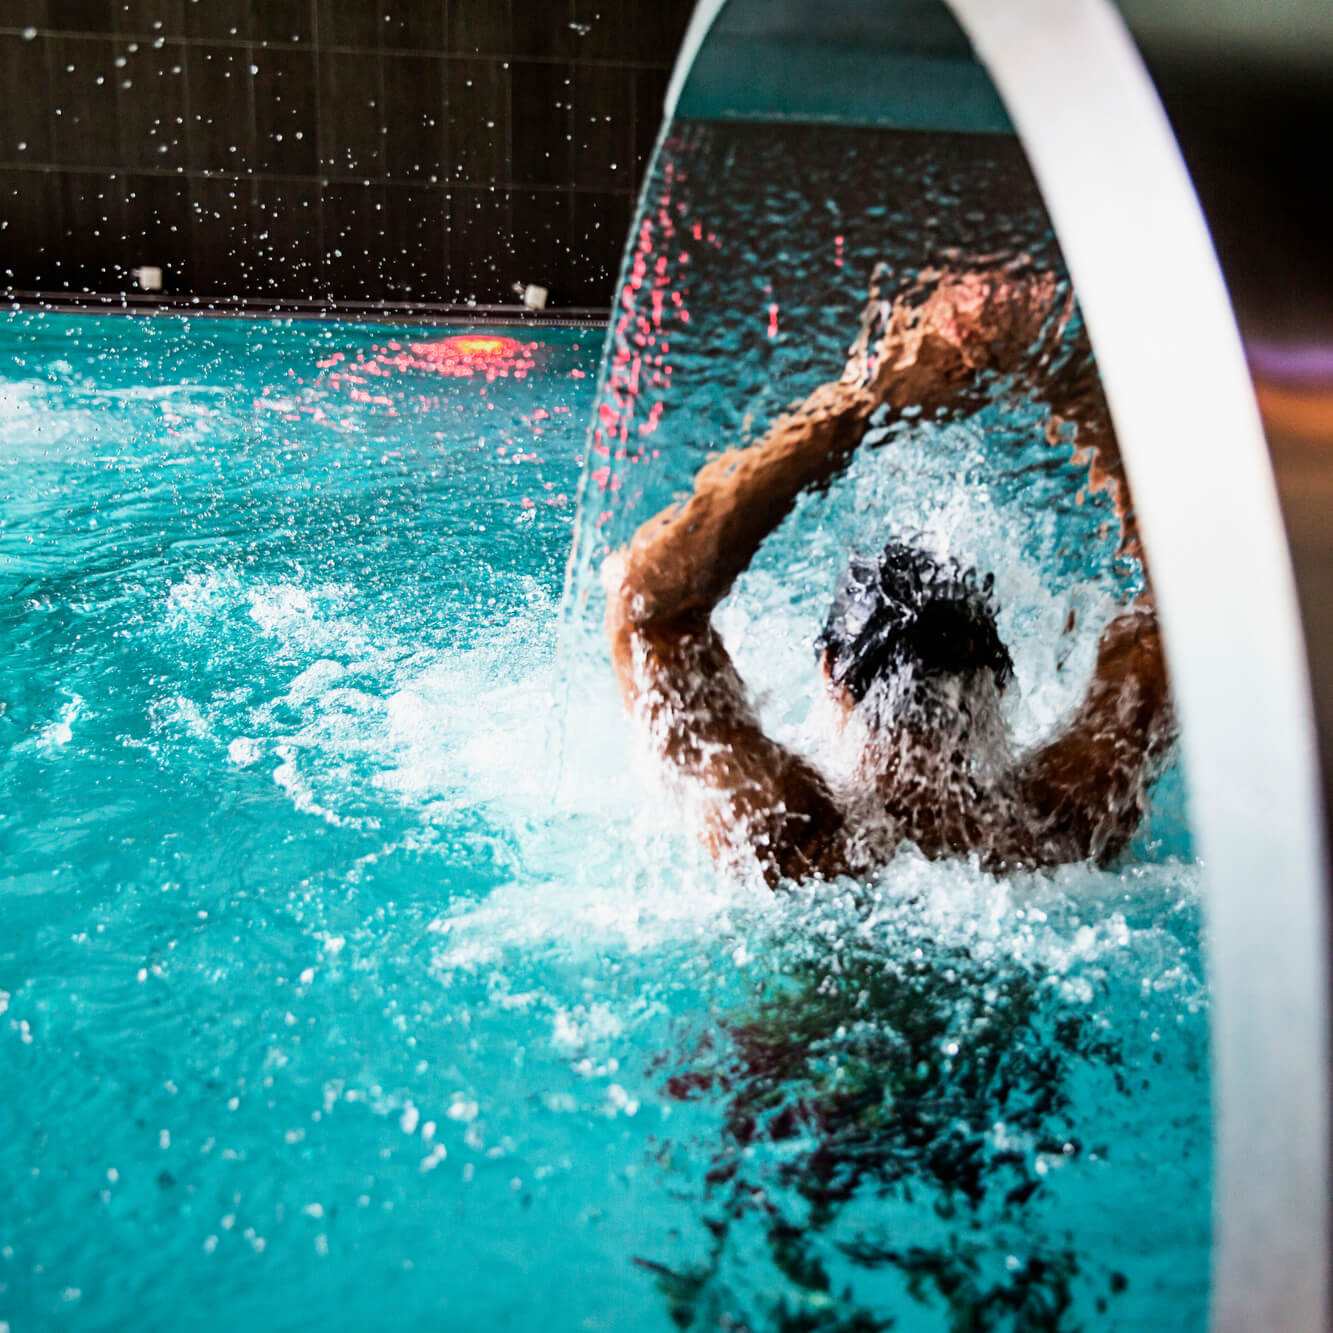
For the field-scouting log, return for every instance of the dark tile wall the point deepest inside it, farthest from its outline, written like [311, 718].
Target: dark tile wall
[398, 150]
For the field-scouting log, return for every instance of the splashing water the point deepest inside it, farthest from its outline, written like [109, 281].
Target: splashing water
[314, 1005]
[864, 1078]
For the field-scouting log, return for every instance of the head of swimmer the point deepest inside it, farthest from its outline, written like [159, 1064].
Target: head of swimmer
[911, 645]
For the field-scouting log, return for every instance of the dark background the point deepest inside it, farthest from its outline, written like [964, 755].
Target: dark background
[364, 150]
[1255, 132]
[440, 150]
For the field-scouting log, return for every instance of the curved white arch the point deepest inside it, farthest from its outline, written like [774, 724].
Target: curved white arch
[1175, 376]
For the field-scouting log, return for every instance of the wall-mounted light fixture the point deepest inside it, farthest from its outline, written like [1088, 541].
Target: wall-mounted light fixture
[532, 296]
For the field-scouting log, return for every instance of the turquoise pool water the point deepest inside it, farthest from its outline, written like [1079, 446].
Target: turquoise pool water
[352, 976]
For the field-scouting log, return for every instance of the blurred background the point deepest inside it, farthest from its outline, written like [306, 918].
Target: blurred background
[1249, 91]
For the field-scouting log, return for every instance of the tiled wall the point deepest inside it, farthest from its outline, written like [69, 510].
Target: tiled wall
[402, 150]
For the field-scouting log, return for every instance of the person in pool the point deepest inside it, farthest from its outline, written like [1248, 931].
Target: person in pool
[910, 655]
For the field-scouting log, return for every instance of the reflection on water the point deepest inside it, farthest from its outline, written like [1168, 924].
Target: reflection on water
[902, 1110]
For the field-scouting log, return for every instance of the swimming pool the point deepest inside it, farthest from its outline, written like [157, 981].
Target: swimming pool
[342, 984]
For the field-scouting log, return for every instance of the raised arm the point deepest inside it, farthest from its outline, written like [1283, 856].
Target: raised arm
[1073, 390]
[927, 350]
[753, 798]
[1081, 796]
[688, 556]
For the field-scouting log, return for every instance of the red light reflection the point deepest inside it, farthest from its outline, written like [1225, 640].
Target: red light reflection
[466, 354]
[470, 344]
[393, 374]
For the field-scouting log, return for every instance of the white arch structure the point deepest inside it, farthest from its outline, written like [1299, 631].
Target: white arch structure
[1120, 199]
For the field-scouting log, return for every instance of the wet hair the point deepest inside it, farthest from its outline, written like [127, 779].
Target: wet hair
[909, 610]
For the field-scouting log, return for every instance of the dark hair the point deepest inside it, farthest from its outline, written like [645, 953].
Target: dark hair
[908, 609]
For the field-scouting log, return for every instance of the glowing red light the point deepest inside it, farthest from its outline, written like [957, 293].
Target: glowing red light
[478, 345]
[466, 355]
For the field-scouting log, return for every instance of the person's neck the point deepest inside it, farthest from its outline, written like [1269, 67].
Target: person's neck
[920, 761]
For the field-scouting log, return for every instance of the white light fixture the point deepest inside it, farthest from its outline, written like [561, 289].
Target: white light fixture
[532, 296]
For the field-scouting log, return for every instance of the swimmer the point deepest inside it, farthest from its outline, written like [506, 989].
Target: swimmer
[910, 655]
